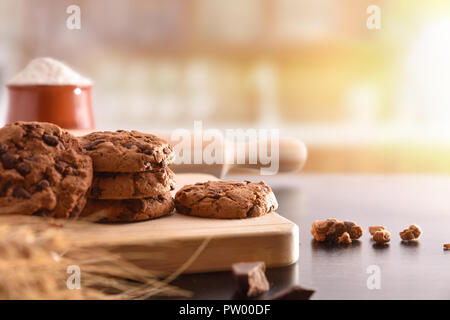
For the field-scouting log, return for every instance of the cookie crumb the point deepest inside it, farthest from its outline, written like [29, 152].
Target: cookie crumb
[446, 246]
[413, 232]
[381, 236]
[345, 238]
[332, 230]
[373, 229]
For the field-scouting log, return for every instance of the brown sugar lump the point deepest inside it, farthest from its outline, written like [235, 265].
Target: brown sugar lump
[332, 229]
[381, 236]
[373, 229]
[413, 232]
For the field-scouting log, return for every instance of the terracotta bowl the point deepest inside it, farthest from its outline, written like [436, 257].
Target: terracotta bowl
[68, 106]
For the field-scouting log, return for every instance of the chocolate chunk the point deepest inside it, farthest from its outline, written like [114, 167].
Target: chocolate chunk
[8, 161]
[166, 150]
[128, 145]
[23, 168]
[163, 164]
[29, 126]
[335, 231]
[43, 184]
[62, 167]
[94, 144]
[349, 225]
[141, 148]
[50, 140]
[251, 278]
[134, 205]
[294, 293]
[149, 152]
[21, 193]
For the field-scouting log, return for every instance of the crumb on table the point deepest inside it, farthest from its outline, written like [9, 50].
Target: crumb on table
[381, 236]
[411, 233]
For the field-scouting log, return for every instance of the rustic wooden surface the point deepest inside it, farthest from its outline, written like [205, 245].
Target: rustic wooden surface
[164, 245]
[418, 270]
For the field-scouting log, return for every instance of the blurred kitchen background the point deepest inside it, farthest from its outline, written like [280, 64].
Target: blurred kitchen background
[362, 100]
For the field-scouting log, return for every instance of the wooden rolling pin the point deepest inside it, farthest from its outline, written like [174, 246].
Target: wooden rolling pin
[292, 156]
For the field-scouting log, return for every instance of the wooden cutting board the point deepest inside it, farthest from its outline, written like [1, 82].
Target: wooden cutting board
[170, 243]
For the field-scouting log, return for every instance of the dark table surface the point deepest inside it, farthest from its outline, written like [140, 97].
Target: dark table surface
[415, 270]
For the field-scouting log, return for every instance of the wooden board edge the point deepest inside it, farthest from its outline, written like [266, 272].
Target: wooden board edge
[276, 249]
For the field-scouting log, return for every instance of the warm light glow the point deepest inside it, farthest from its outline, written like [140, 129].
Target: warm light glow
[426, 92]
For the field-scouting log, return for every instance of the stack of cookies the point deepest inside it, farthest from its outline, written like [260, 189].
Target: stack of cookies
[132, 180]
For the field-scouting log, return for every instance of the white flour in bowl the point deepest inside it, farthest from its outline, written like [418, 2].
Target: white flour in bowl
[48, 71]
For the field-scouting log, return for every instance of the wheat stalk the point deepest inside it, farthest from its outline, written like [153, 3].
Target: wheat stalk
[34, 261]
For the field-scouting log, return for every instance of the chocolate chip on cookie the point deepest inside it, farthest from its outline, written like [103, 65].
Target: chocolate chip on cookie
[226, 199]
[131, 185]
[31, 154]
[127, 151]
[129, 210]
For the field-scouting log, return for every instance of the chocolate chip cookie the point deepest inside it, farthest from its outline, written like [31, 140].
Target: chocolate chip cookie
[127, 151]
[128, 210]
[226, 199]
[132, 185]
[43, 171]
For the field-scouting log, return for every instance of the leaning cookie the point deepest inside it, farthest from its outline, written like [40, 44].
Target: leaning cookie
[43, 171]
[128, 210]
[136, 185]
[226, 199]
[127, 151]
